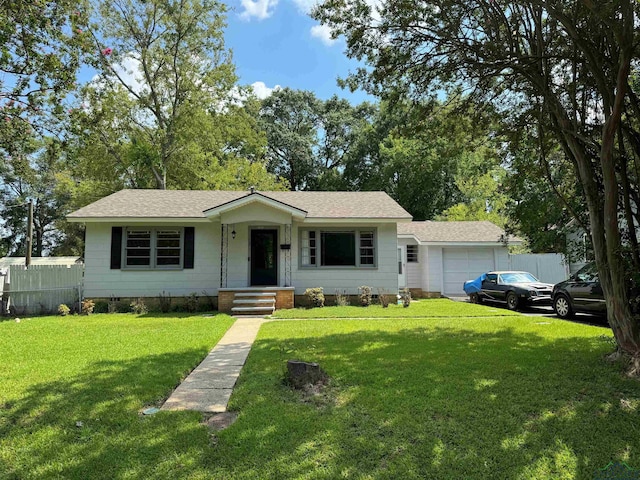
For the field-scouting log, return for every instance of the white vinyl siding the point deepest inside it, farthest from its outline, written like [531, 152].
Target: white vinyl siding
[100, 281]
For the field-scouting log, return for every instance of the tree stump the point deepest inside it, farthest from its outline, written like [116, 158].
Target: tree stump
[301, 373]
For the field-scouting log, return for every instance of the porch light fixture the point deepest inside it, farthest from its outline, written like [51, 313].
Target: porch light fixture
[233, 234]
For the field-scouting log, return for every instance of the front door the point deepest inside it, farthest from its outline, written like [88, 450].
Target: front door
[264, 257]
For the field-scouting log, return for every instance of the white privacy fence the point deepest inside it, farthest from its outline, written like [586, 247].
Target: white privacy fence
[40, 288]
[546, 267]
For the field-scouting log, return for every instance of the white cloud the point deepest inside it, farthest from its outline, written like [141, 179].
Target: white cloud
[262, 91]
[259, 9]
[305, 6]
[323, 32]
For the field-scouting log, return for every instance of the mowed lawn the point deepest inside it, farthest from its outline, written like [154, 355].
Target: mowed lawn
[431, 308]
[72, 388]
[502, 397]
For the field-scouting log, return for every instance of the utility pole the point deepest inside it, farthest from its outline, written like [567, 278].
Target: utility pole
[27, 261]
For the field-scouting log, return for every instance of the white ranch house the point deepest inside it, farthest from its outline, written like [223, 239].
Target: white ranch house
[252, 250]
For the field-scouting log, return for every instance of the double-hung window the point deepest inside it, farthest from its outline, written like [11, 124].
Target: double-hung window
[153, 248]
[338, 248]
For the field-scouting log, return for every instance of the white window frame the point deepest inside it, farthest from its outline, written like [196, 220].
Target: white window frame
[412, 254]
[153, 248]
[304, 251]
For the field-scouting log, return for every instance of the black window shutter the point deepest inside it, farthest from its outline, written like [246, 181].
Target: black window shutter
[189, 237]
[116, 248]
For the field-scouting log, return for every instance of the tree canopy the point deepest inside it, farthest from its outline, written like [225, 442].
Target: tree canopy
[565, 64]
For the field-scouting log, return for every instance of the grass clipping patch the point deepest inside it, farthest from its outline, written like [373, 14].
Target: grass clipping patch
[310, 381]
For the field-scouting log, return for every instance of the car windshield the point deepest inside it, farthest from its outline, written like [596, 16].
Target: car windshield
[588, 273]
[517, 277]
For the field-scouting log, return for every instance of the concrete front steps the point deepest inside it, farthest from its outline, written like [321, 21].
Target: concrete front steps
[254, 303]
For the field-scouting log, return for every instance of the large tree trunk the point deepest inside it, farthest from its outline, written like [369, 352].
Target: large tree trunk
[625, 326]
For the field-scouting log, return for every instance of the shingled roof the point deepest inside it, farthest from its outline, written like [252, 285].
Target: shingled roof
[192, 204]
[454, 232]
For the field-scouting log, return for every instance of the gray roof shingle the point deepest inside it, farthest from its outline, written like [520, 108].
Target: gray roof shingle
[462, 232]
[192, 204]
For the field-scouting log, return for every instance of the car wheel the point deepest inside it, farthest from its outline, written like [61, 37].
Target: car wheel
[562, 307]
[512, 301]
[473, 298]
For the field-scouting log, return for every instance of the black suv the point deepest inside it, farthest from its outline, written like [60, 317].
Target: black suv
[581, 293]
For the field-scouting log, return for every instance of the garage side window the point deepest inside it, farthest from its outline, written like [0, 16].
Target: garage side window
[412, 253]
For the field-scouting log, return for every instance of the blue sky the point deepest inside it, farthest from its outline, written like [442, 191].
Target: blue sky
[276, 43]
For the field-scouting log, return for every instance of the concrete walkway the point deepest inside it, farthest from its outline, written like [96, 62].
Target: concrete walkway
[208, 387]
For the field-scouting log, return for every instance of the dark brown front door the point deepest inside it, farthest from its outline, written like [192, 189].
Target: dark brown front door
[264, 257]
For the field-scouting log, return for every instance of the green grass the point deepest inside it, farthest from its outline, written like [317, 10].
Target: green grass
[432, 308]
[101, 371]
[519, 397]
[509, 397]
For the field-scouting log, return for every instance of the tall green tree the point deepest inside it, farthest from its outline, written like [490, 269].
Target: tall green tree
[41, 47]
[567, 63]
[291, 119]
[165, 109]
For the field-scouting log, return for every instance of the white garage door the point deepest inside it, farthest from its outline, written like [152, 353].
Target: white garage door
[462, 264]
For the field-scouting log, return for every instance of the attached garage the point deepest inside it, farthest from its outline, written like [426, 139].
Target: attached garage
[462, 264]
[450, 253]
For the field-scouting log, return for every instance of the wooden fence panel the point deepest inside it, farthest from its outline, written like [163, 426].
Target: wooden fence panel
[41, 288]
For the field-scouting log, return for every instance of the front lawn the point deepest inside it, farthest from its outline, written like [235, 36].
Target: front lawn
[508, 397]
[71, 389]
[516, 398]
[431, 308]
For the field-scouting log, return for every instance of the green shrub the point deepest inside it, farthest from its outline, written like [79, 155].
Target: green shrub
[139, 307]
[383, 298]
[315, 296]
[365, 295]
[63, 310]
[405, 295]
[164, 300]
[191, 302]
[101, 307]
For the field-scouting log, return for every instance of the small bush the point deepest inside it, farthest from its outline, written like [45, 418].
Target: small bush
[101, 307]
[63, 310]
[164, 300]
[405, 295]
[112, 305]
[342, 299]
[207, 302]
[87, 306]
[178, 308]
[383, 298]
[191, 302]
[315, 296]
[365, 295]
[139, 307]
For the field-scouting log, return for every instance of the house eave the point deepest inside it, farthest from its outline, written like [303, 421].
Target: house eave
[145, 220]
[468, 244]
[352, 220]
